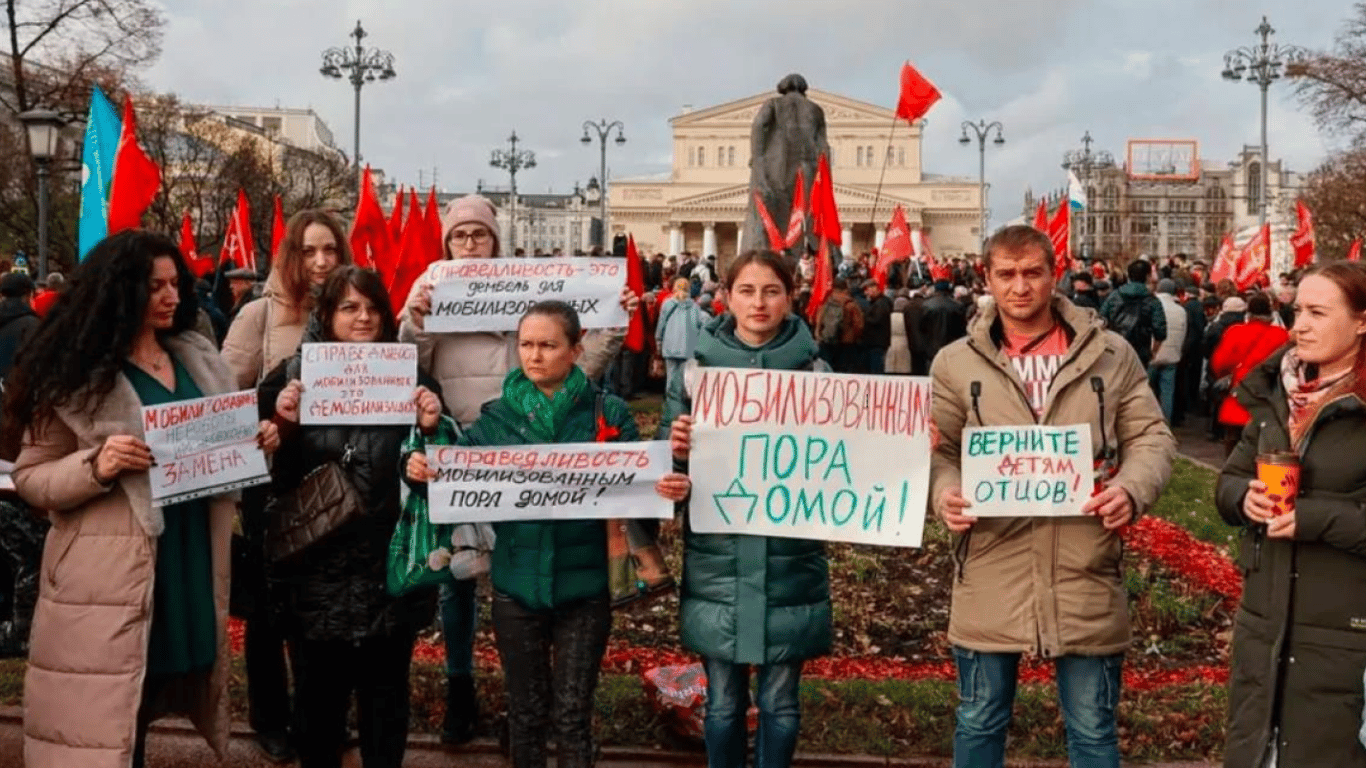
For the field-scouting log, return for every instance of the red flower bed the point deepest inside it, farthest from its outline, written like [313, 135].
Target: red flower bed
[1200, 563]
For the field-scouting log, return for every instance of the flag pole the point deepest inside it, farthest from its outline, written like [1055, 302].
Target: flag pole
[872, 217]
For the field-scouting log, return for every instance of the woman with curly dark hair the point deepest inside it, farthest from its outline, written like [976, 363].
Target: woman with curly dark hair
[131, 621]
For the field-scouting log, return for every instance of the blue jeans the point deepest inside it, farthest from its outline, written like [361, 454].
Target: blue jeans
[1088, 691]
[725, 725]
[1162, 379]
[459, 616]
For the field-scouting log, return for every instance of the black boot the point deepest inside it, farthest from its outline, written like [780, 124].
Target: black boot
[462, 710]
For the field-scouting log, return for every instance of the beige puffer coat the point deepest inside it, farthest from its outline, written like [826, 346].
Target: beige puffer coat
[265, 331]
[93, 619]
[1051, 586]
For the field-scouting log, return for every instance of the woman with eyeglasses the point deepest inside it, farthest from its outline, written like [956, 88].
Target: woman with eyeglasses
[471, 367]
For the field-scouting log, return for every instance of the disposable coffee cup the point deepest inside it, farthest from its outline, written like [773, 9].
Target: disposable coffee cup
[1280, 471]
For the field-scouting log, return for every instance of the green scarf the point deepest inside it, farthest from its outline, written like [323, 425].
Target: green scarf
[544, 415]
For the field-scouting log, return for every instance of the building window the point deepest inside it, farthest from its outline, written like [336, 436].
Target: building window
[730, 155]
[1110, 225]
[1254, 186]
[720, 156]
[701, 156]
[860, 157]
[901, 156]
[868, 153]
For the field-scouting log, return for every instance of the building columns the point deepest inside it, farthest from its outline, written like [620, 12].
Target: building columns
[880, 238]
[847, 241]
[675, 239]
[708, 240]
[739, 238]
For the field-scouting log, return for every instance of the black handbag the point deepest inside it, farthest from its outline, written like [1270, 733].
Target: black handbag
[324, 502]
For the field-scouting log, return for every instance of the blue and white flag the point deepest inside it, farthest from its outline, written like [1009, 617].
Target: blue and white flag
[1076, 195]
[102, 129]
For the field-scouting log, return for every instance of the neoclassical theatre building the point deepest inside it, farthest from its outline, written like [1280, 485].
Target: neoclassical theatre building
[700, 204]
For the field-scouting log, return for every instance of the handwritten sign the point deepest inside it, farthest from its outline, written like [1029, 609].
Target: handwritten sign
[493, 294]
[810, 455]
[565, 481]
[1027, 471]
[204, 446]
[358, 384]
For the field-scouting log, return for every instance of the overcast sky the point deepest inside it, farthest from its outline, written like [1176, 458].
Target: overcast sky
[469, 73]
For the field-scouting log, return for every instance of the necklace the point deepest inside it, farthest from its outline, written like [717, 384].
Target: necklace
[155, 365]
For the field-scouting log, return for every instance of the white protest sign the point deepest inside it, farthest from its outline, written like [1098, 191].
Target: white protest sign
[564, 481]
[810, 455]
[1027, 471]
[358, 384]
[204, 446]
[493, 294]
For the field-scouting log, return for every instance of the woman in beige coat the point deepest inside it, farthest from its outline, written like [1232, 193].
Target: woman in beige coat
[265, 333]
[131, 621]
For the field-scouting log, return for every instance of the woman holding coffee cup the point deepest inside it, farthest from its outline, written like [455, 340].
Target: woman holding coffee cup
[1299, 646]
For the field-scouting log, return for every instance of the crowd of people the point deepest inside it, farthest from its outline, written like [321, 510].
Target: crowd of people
[129, 619]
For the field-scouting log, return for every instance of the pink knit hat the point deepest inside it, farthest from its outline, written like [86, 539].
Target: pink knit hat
[470, 209]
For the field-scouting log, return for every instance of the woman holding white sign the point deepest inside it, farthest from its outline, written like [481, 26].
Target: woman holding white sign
[471, 368]
[551, 606]
[131, 621]
[346, 633]
[751, 600]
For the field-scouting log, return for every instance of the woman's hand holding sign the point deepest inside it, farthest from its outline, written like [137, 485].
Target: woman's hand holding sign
[417, 470]
[420, 304]
[680, 437]
[950, 507]
[287, 404]
[119, 454]
[428, 409]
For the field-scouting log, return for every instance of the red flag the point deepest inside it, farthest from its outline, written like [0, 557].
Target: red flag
[433, 217]
[896, 247]
[1354, 252]
[1225, 261]
[135, 180]
[917, 95]
[775, 238]
[1254, 260]
[412, 254]
[370, 241]
[1059, 231]
[822, 279]
[1302, 241]
[635, 280]
[796, 220]
[396, 218]
[277, 229]
[825, 214]
[1041, 216]
[199, 266]
[239, 247]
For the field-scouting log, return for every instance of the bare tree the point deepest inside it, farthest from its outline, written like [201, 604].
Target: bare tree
[1335, 193]
[1332, 84]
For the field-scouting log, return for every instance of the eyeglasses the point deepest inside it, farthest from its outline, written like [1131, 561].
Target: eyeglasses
[478, 236]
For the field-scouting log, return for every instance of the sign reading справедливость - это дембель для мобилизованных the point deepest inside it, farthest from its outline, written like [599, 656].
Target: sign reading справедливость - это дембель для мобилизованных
[1028, 470]
[358, 384]
[559, 481]
[204, 446]
[810, 455]
[493, 294]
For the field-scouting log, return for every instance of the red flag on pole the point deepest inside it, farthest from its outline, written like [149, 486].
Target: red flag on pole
[1255, 259]
[135, 180]
[1302, 240]
[825, 214]
[370, 242]
[1041, 216]
[1354, 252]
[433, 217]
[1225, 261]
[796, 220]
[917, 95]
[822, 279]
[896, 247]
[396, 218]
[412, 255]
[199, 266]
[635, 280]
[775, 238]
[277, 229]
[1059, 231]
[239, 247]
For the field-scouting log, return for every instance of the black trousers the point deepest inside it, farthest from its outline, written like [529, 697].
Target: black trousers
[550, 665]
[326, 673]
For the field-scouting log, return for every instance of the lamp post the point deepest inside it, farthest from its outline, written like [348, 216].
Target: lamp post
[512, 160]
[602, 127]
[1085, 161]
[364, 65]
[981, 128]
[44, 128]
[1261, 65]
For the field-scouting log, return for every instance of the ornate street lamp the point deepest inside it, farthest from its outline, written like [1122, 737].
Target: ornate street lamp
[512, 160]
[44, 128]
[363, 65]
[1084, 161]
[981, 128]
[602, 127]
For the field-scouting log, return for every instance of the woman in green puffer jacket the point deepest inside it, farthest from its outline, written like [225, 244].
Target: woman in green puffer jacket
[751, 600]
[550, 577]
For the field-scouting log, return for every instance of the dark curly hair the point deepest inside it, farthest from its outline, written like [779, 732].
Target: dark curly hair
[77, 352]
[367, 283]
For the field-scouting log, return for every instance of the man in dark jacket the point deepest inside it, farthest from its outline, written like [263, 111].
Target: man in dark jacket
[17, 318]
[21, 532]
[1188, 370]
[1232, 312]
[1084, 291]
[941, 321]
[877, 328]
[1134, 312]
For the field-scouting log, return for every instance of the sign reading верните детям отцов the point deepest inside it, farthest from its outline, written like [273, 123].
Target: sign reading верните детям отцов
[810, 455]
[1027, 470]
[559, 481]
[493, 294]
[204, 446]
[358, 383]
